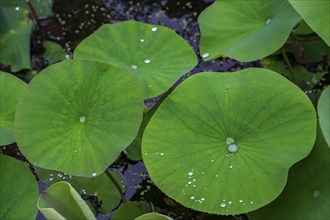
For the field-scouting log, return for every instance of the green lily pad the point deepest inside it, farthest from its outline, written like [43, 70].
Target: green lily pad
[153, 216]
[15, 32]
[11, 89]
[131, 210]
[316, 14]
[18, 189]
[54, 52]
[245, 30]
[306, 195]
[156, 55]
[101, 186]
[323, 109]
[61, 201]
[77, 116]
[42, 8]
[223, 143]
[303, 29]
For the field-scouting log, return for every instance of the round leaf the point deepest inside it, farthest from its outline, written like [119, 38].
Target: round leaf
[156, 55]
[323, 109]
[11, 89]
[18, 189]
[61, 201]
[77, 116]
[306, 195]
[153, 216]
[223, 142]
[245, 30]
[131, 210]
[316, 14]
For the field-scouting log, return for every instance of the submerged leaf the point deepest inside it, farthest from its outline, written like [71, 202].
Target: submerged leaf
[77, 116]
[245, 30]
[131, 210]
[223, 142]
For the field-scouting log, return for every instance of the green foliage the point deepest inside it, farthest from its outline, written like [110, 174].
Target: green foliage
[245, 30]
[53, 52]
[61, 201]
[82, 116]
[153, 216]
[18, 190]
[306, 195]
[316, 14]
[323, 109]
[187, 146]
[140, 49]
[11, 89]
[131, 210]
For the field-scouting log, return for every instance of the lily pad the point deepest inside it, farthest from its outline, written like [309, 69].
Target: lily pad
[245, 30]
[42, 8]
[61, 201]
[323, 109]
[18, 189]
[54, 52]
[77, 116]
[15, 32]
[156, 55]
[153, 216]
[316, 14]
[11, 89]
[306, 195]
[100, 186]
[223, 143]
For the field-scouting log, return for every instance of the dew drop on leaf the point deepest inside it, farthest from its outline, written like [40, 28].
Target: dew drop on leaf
[147, 60]
[93, 174]
[223, 205]
[316, 193]
[190, 173]
[82, 119]
[205, 55]
[141, 40]
[232, 148]
[154, 29]
[192, 197]
[268, 21]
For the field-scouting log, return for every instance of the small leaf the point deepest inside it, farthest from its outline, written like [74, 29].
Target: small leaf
[15, 31]
[61, 201]
[18, 189]
[54, 52]
[316, 15]
[323, 109]
[153, 216]
[154, 54]
[306, 195]
[76, 111]
[131, 210]
[11, 89]
[223, 143]
[245, 30]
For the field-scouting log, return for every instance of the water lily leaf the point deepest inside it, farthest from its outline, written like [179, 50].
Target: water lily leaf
[323, 109]
[11, 89]
[153, 216]
[18, 189]
[131, 210]
[42, 8]
[223, 143]
[316, 14]
[54, 52]
[306, 195]
[100, 186]
[61, 201]
[77, 116]
[140, 49]
[303, 29]
[245, 30]
[15, 31]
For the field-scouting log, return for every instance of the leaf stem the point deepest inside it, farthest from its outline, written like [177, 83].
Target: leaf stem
[287, 61]
[113, 180]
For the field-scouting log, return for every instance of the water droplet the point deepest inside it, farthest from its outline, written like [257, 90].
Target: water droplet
[230, 166]
[161, 154]
[189, 182]
[226, 90]
[192, 197]
[232, 148]
[17, 9]
[194, 185]
[93, 174]
[134, 67]
[230, 140]
[229, 202]
[223, 205]
[147, 60]
[212, 161]
[50, 179]
[82, 119]
[216, 175]
[154, 29]
[205, 55]
[202, 199]
[316, 193]
[241, 201]
[268, 21]
[141, 40]
[190, 173]
[251, 202]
